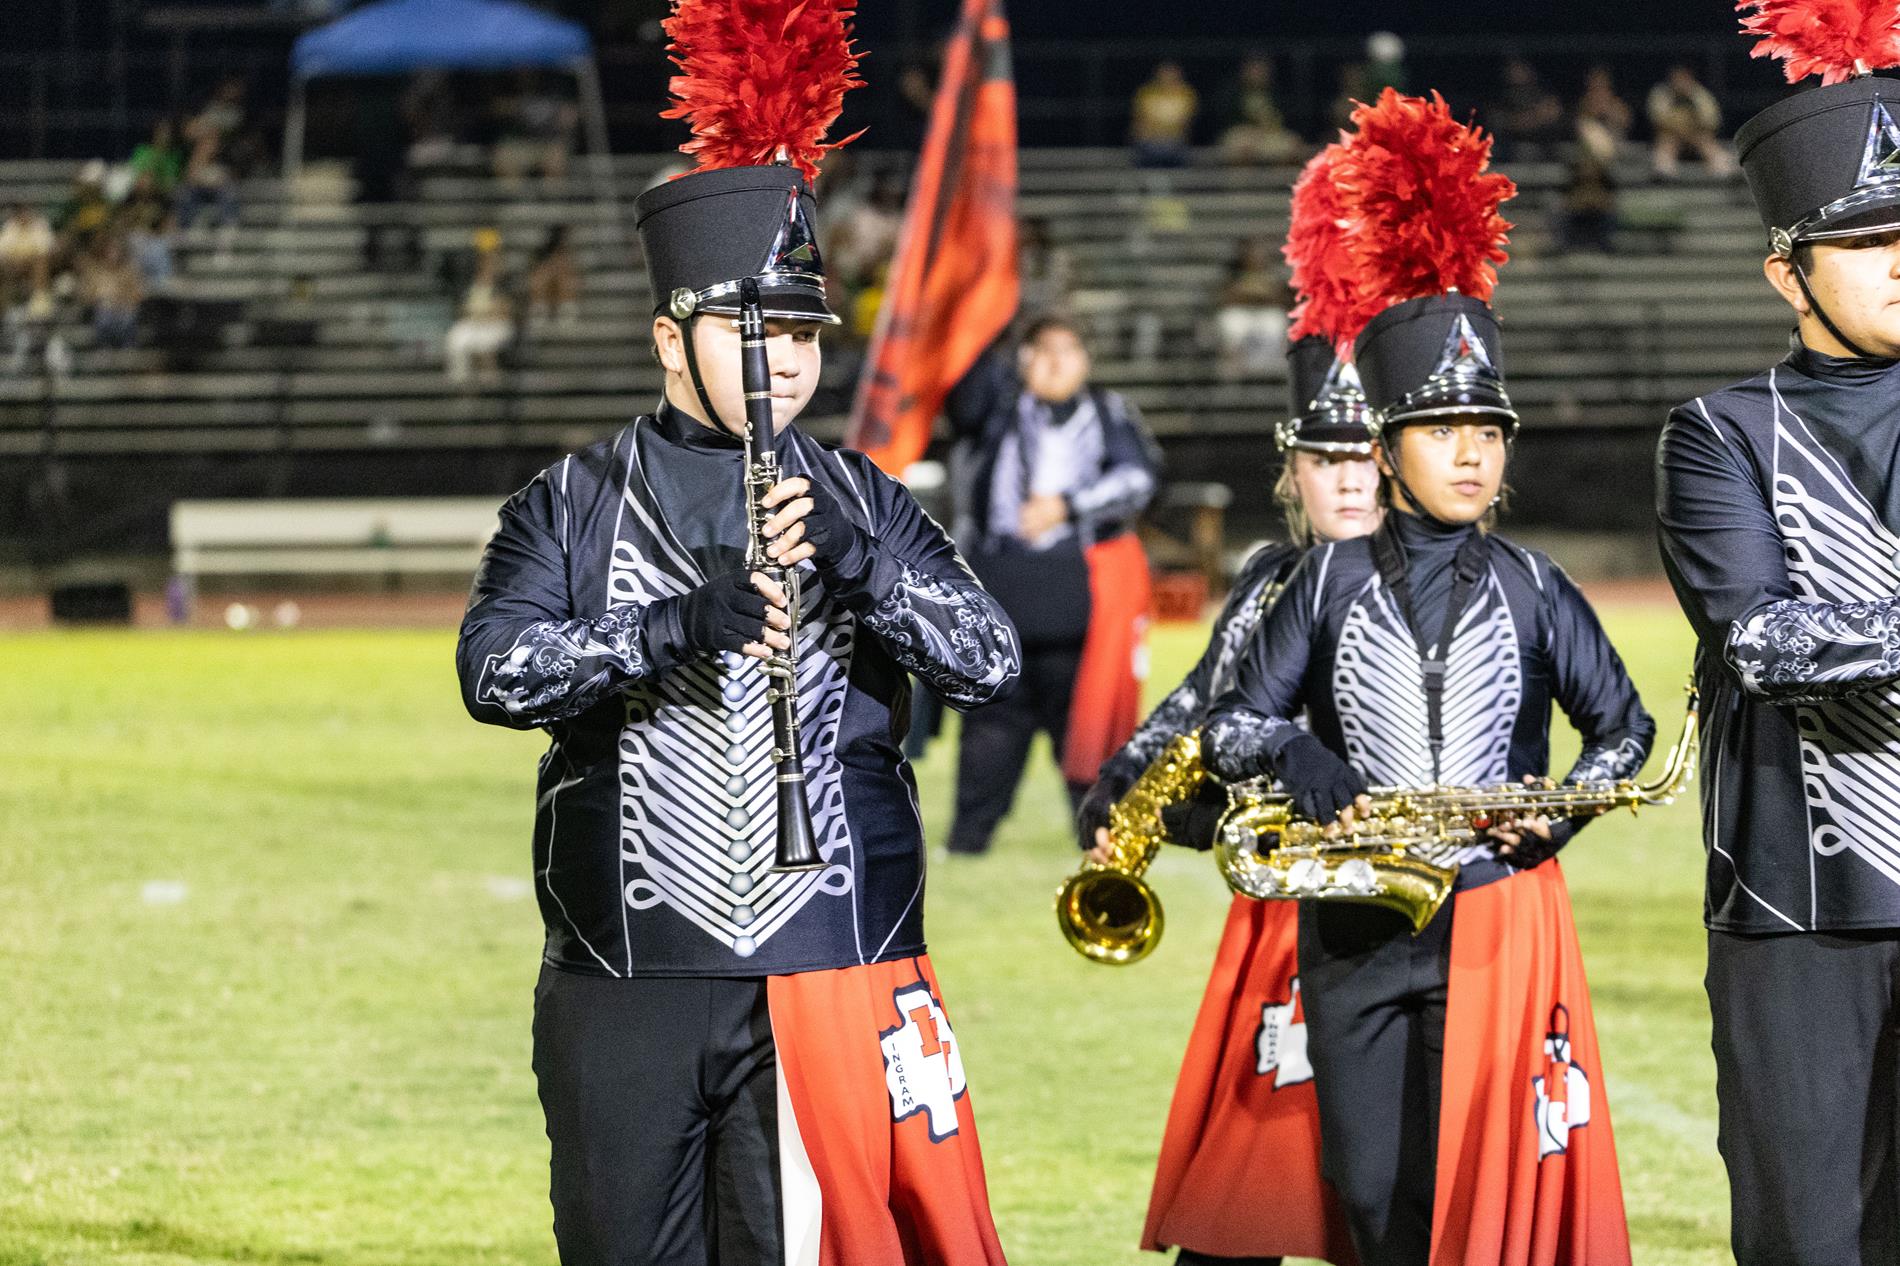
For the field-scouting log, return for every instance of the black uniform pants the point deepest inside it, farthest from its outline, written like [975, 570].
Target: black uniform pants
[662, 1107]
[995, 743]
[1188, 1257]
[1375, 1020]
[1807, 1063]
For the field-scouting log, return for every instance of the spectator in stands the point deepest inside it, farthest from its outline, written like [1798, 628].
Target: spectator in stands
[1045, 268]
[554, 280]
[1527, 116]
[148, 237]
[1588, 221]
[158, 164]
[1603, 118]
[110, 284]
[538, 129]
[1162, 123]
[208, 181]
[84, 213]
[429, 109]
[865, 236]
[1050, 476]
[1385, 64]
[1685, 115]
[1252, 128]
[26, 255]
[1250, 314]
[916, 93]
[486, 324]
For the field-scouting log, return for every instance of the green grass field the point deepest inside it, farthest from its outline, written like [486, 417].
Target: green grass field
[269, 947]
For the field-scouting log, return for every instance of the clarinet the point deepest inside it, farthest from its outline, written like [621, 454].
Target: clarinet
[797, 849]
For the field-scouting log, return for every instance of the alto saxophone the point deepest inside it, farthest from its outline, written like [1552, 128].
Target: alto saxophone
[1401, 854]
[1106, 909]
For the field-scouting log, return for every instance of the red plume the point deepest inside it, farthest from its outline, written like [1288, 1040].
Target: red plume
[758, 77]
[1836, 39]
[1423, 203]
[1317, 251]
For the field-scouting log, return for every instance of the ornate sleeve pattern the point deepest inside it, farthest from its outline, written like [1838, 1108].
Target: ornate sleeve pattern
[559, 669]
[1807, 652]
[1611, 762]
[951, 635]
[1239, 743]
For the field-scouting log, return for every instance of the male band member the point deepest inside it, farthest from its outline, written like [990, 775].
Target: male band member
[737, 1064]
[1779, 502]
[1050, 475]
[1460, 1098]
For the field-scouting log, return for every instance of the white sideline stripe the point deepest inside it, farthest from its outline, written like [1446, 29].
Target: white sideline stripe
[800, 1200]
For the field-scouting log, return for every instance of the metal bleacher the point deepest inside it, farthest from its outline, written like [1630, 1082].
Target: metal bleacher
[1593, 341]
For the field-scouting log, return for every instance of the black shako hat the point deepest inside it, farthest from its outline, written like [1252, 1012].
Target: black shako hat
[1825, 163]
[1431, 358]
[1327, 411]
[708, 230]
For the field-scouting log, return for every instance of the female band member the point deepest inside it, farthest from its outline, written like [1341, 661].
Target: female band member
[1460, 1100]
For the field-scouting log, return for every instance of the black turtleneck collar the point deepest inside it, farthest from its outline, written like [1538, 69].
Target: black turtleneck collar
[1421, 535]
[677, 426]
[1844, 371]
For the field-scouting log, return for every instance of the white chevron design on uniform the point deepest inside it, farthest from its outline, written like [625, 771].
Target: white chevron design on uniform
[1380, 694]
[1838, 550]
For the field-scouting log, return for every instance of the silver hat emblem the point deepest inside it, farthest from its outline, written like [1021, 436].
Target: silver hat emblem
[682, 303]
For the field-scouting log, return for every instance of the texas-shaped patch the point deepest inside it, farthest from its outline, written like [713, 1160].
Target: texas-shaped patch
[923, 1067]
[1280, 1046]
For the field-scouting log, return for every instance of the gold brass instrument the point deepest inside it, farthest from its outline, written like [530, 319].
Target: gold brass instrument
[1400, 855]
[1108, 911]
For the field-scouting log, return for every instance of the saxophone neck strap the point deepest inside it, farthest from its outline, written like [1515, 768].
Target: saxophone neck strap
[1388, 553]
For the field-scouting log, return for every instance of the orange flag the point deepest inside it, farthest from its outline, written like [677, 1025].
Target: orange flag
[953, 286]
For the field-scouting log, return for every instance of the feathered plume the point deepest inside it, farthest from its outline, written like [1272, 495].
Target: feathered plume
[1415, 184]
[1316, 249]
[761, 78]
[1836, 39]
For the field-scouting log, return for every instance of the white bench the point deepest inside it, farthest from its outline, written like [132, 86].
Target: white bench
[334, 537]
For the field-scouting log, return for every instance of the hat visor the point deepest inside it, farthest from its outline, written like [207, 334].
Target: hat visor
[1332, 439]
[780, 304]
[1874, 210]
[1503, 413]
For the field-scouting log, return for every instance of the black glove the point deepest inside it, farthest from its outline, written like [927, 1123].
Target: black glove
[723, 614]
[1320, 783]
[837, 542]
[1531, 852]
[1092, 813]
[1191, 823]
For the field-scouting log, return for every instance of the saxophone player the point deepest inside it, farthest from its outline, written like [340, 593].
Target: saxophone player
[1460, 1099]
[714, 1039]
[1230, 1124]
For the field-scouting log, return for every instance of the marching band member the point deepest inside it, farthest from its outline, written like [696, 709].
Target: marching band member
[1462, 1116]
[1241, 1107]
[1779, 505]
[737, 1063]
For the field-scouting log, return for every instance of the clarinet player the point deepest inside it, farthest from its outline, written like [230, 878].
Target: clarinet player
[714, 1035]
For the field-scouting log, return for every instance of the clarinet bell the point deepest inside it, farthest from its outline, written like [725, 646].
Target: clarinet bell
[797, 849]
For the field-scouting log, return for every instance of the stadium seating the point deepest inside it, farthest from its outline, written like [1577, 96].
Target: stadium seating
[287, 352]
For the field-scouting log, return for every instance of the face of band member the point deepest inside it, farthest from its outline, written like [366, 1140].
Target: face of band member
[791, 349]
[1856, 280]
[1054, 364]
[1338, 491]
[1454, 466]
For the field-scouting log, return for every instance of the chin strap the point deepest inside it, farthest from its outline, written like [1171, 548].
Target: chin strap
[699, 383]
[1820, 313]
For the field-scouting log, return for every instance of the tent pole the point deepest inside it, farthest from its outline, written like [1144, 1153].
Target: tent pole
[292, 169]
[600, 159]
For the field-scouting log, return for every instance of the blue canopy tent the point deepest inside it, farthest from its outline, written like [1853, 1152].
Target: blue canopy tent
[393, 37]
